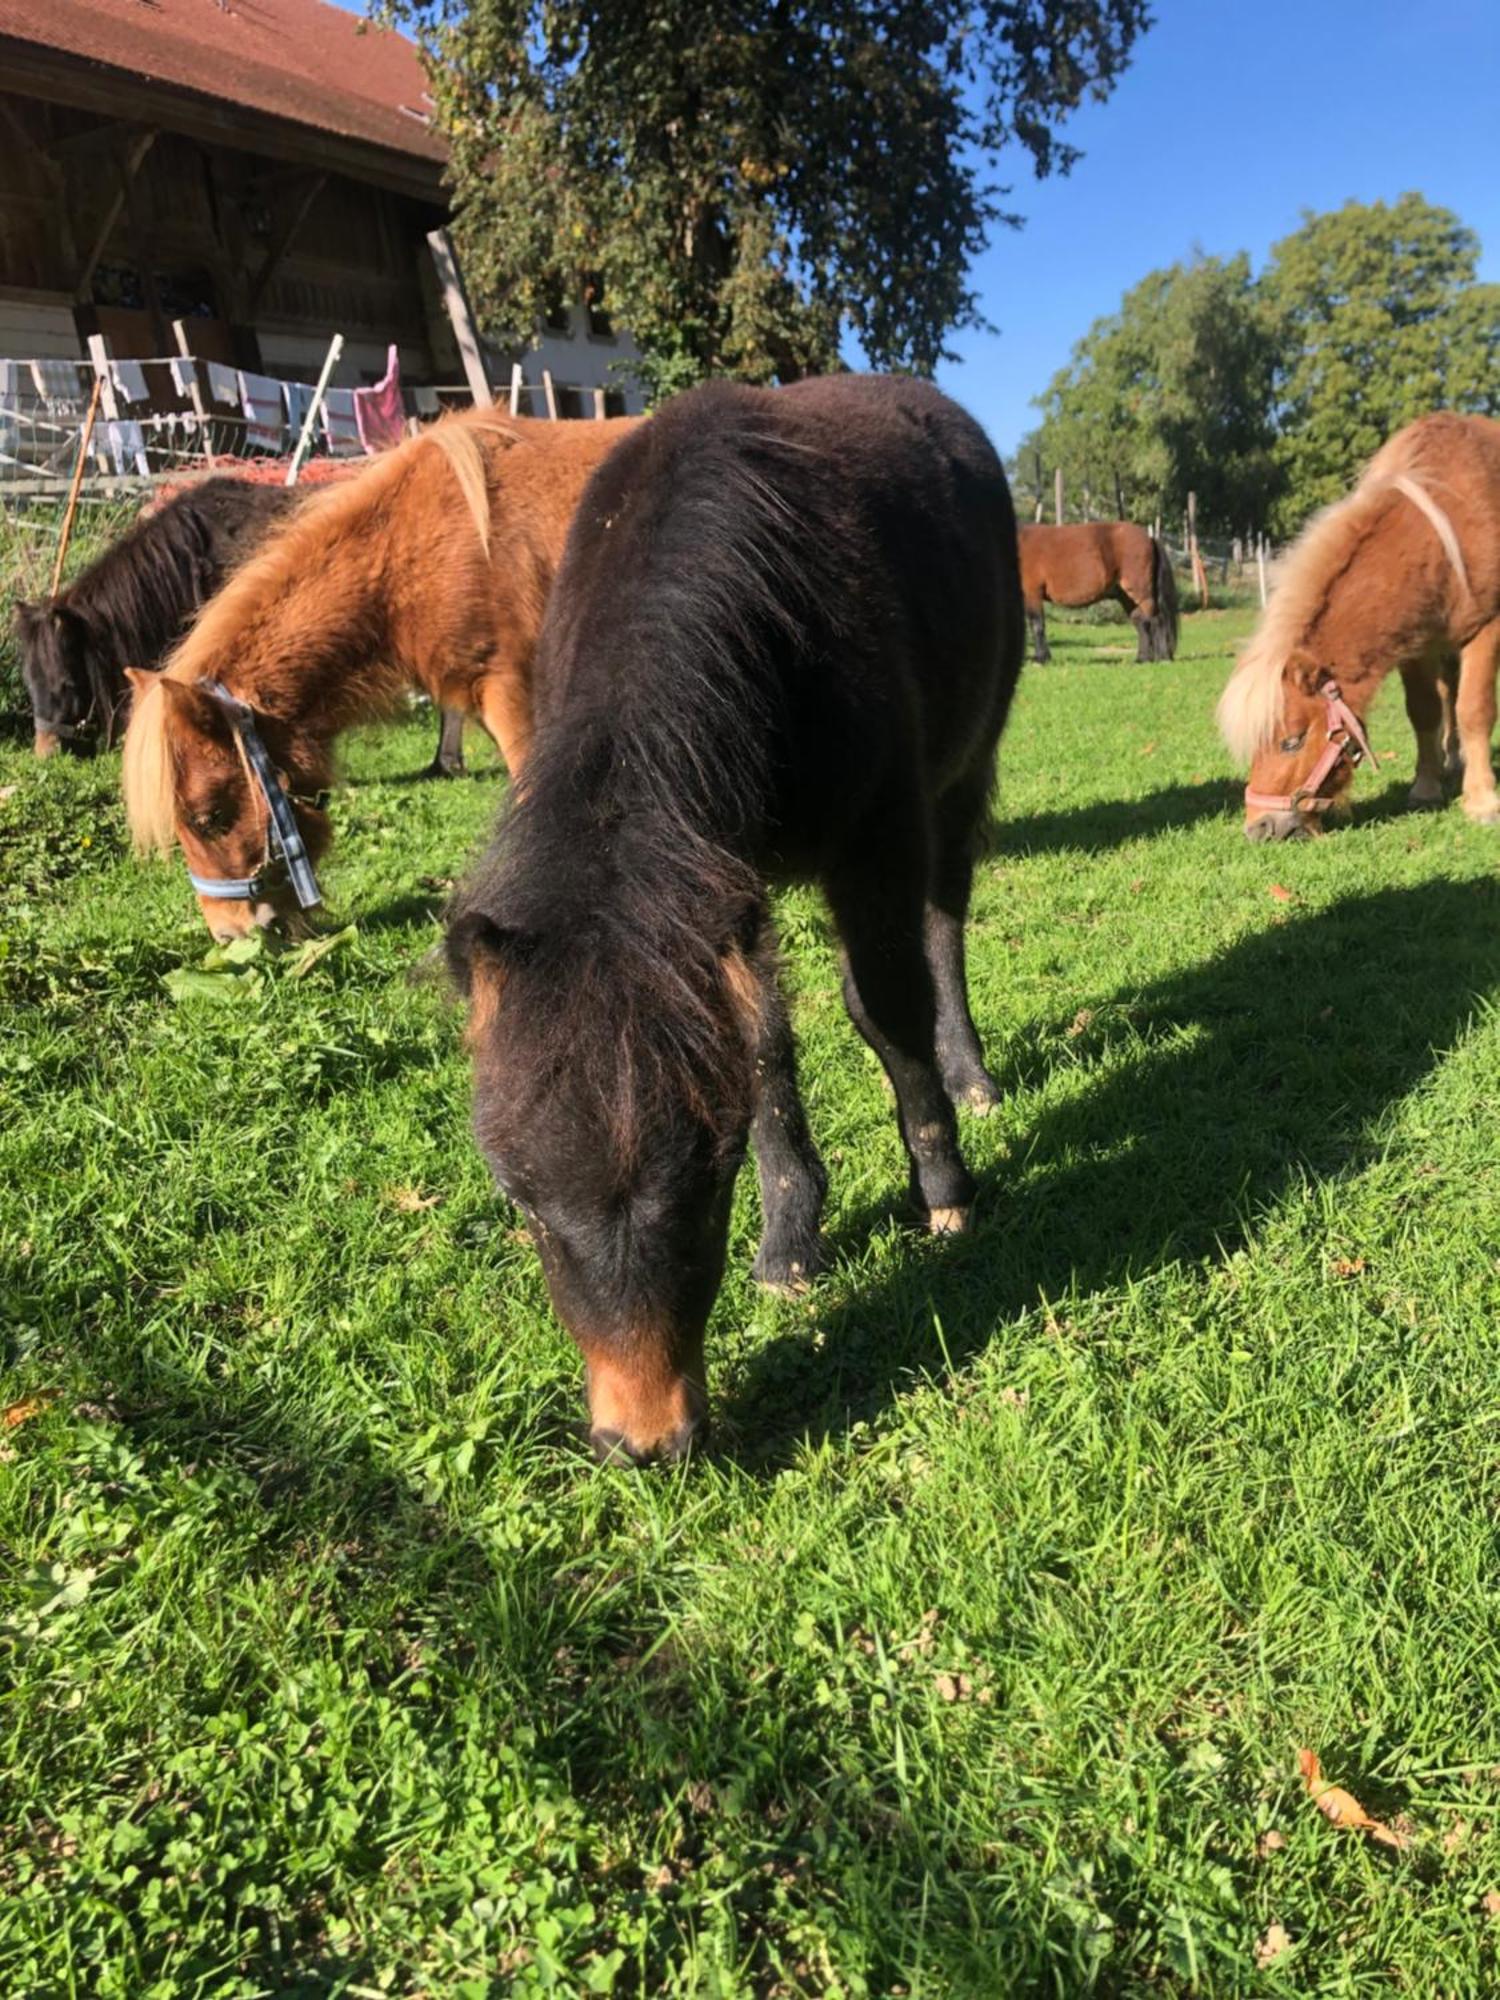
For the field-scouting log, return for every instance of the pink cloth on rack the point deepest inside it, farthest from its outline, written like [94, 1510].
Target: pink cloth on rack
[378, 411]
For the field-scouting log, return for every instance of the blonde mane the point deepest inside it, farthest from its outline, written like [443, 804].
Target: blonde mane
[1251, 706]
[285, 559]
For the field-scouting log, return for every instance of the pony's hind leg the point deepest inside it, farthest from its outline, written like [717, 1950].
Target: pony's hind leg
[1424, 711]
[1036, 617]
[793, 1180]
[1476, 723]
[877, 903]
[959, 1052]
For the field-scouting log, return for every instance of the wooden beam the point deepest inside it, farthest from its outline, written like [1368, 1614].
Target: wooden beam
[461, 316]
[130, 162]
[282, 241]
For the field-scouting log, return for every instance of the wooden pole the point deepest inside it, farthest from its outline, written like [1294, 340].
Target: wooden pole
[84, 441]
[549, 393]
[195, 387]
[600, 411]
[1057, 496]
[461, 317]
[1119, 499]
[1260, 564]
[330, 362]
[1200, 574]
[516, 385]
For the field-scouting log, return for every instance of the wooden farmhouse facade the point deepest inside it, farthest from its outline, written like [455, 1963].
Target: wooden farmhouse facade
[261, 169]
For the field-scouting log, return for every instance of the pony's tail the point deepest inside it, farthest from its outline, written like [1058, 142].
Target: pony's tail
[146, 773]
[1164, 590]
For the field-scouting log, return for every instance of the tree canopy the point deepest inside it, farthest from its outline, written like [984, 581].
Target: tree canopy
[744, 181]
[1265, 395]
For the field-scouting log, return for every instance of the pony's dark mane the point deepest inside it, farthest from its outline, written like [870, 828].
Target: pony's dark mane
[618, 870]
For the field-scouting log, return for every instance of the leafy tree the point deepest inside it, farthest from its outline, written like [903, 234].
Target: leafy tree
[1170, 395]
[746, 179]
[1379, 320]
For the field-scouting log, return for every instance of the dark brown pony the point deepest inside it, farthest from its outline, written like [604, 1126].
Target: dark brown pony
[1087, 561]
[431, 567]
[1403, 573]
[782, 646]
[128, 608]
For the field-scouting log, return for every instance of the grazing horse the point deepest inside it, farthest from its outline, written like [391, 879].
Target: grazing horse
[132, 604]
[1404, 572]
[431, 567]
[782, 646]
[1086, 561]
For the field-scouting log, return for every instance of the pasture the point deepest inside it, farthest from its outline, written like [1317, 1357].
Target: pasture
[976, 1657]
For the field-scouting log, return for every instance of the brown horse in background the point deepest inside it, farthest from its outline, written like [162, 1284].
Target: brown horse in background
[431, 567]
[1084, 562]
[1404, 573]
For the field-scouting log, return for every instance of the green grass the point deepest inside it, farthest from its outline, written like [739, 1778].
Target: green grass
[976, 1658]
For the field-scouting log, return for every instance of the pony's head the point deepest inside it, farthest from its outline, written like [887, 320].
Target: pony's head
[187, 781]
[64, 692]
[612, 1098]
[1292, 736]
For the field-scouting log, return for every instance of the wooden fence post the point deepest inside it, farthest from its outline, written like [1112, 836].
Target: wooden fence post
[516, 385]
[600, 412]
[460, 316]
[550, 394]
[1200, 574]
[1057, 496]
[1260, 564]
[99, 356]
[330, 362]
[1119, 499]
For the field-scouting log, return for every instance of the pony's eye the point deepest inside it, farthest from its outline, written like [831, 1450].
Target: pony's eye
[1292, 743]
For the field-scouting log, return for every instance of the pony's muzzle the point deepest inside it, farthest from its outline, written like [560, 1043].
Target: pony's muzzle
[642, 1409]
[1278, 826]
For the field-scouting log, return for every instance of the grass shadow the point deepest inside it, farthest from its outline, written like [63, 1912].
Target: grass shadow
[1219, 1089]
[1114, 822]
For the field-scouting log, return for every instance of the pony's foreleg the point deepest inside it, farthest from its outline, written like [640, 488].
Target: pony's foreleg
[505, 710]
[1477, 666]
[959, 1052]
[1447, 686]
[1424, 711]
[793, 1180]
[448, 758]
[1037, 619]
[877, 905]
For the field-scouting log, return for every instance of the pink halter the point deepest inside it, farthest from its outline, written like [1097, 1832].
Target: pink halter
[1346, 738]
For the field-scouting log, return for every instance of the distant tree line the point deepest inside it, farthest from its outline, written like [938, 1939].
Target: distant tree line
[1265, 394]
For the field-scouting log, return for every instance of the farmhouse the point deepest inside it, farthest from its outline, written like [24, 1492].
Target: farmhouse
[263, 169]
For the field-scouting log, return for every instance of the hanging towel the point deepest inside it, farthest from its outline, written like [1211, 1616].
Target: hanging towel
[260, 398]
[378, 411]
[56, 381]
[426, 401]
[299, 397]
[223, 384]
[127, 445]
[340, 425]
[130, 381]
[184, 374]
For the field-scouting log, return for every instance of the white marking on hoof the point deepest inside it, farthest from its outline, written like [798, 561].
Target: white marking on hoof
[948, 1221]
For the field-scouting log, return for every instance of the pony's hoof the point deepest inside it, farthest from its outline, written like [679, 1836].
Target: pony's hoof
[949, 1221]
[1421, 799]
[788, 1277]
[1485, 815]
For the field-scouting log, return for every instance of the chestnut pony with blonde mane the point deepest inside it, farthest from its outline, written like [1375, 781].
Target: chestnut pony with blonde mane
[432, 568]
[1405, 573]
[1083, 562]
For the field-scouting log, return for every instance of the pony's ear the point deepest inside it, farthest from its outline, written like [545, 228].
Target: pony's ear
[1304, 670]
[478, 945]
[140, 679]
[189, 707]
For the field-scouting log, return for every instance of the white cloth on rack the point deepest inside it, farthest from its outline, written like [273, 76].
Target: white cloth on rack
[426, 400]
[299, 397]
[224, 384]
[260, 399]
[184, 374]
[340, 425]
[56, 381]
[130, 381]
[127, 444]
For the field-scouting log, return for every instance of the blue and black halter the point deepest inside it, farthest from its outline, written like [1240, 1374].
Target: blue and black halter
[286, 853]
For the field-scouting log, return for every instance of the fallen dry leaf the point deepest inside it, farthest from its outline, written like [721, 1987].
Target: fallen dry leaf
[1147, 749]
[408, 1201]
[1490, 1903]
[1080, 1021]
[1273, 1941]
[1455, 1837]
[1341, 1808]
[1270, 1842]
[20, 1413]
[1281, 895]
[1348, 1267]
[953, 1687]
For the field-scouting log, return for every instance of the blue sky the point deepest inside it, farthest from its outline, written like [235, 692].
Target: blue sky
[1232, 120]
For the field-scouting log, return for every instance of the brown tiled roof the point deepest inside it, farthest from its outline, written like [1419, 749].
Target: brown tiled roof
[301, 60]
